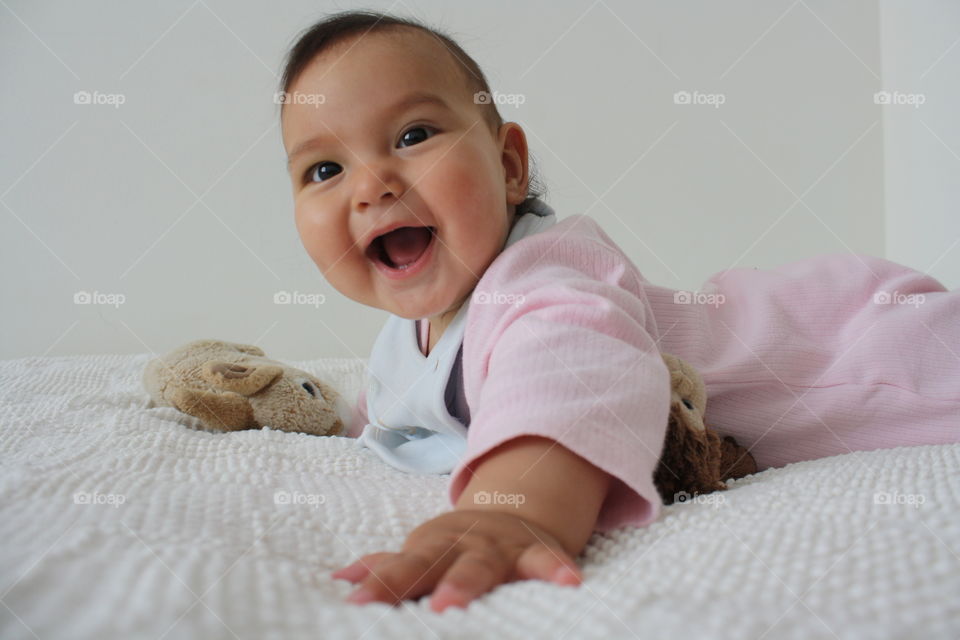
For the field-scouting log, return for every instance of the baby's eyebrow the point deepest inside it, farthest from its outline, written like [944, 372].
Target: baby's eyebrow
[407, 102]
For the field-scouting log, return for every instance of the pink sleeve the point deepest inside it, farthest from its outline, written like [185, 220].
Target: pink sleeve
[359, 416]
[569, 355]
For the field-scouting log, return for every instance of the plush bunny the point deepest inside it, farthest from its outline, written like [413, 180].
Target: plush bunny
[231, 386]
[695, 459]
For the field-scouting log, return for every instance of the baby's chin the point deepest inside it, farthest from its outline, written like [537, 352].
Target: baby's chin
[415, 312]
[429, 299]
[417, 308]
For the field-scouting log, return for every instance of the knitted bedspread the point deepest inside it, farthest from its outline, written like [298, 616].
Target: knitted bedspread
[122, 520]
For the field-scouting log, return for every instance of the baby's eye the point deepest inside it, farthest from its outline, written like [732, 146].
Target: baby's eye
[323, 170]
[412, 137]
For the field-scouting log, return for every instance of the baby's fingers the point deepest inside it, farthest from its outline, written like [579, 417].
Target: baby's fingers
[358, 570]
[539, 561]
[404, 575]
[473, 574]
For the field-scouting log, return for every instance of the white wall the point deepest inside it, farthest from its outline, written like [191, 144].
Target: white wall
[921, 61]
[178, 199]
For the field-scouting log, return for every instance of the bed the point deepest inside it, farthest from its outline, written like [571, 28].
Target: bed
[120, 520]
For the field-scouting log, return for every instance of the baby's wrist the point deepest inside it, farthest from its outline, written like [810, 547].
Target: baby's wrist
[569, 533]
[540, 481]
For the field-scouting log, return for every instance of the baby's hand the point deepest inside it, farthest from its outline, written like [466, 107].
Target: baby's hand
[459, 556]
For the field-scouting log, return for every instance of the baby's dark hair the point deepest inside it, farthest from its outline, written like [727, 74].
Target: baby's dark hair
[340, 26]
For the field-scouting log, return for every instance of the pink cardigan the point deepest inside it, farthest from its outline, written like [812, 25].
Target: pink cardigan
[800, 362]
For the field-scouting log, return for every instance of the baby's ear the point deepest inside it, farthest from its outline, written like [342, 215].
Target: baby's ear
[513, 144]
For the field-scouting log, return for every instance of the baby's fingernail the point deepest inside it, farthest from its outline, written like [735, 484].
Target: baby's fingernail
[360, 596]
[351, 572]
[447, 590]
[448, 595]
[565, 575]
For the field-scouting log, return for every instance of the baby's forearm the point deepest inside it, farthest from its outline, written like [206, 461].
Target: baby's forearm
[542, 481]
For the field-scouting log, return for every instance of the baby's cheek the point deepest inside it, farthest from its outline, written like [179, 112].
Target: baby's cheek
[475, 180]
[317, 235]
[307, 227]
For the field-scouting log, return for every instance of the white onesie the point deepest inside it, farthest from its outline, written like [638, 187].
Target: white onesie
[410, 425]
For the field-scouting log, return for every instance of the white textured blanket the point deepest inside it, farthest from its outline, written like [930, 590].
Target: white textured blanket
[119, 521]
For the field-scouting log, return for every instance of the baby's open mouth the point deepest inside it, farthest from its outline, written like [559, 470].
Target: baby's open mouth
[400, 248]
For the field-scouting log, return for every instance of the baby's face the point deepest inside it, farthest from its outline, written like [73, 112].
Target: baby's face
[359, 164]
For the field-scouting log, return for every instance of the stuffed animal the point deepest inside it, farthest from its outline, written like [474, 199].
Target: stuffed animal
[231, 386]
[694, 459]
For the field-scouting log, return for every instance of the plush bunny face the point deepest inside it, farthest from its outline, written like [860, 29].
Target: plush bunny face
[231, 386]
[688, 393]
[694, 458]
[690, 460]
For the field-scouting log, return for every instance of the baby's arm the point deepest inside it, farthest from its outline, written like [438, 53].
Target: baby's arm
[549, 499]
[555, 383]
[561, 491]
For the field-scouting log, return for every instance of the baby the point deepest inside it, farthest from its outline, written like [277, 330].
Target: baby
[521, 354]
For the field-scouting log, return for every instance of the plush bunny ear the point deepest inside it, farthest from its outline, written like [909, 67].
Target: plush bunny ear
[239, 378]
[736, 460]
[690, 456]
[219, 411]
[248, 349]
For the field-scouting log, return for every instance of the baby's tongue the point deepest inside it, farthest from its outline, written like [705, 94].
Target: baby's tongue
[406, 244]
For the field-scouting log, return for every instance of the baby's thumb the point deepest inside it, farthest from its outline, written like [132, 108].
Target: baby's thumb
[553, 564]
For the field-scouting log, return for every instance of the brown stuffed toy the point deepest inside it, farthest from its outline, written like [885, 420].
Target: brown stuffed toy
[694, 459]
[231, 386]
